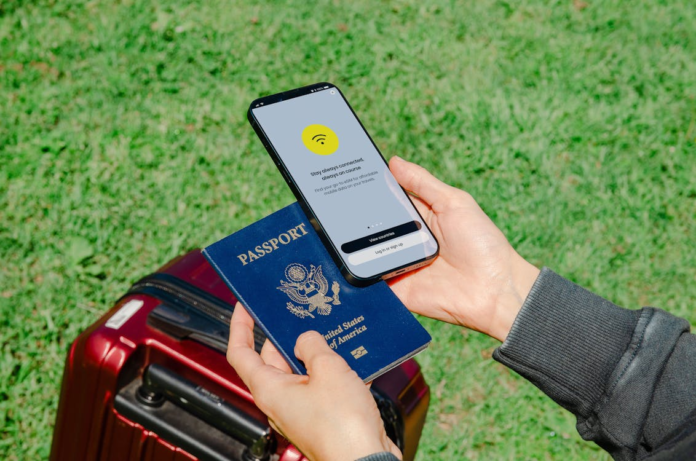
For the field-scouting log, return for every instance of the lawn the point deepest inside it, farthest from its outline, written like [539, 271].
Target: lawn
[124, 142]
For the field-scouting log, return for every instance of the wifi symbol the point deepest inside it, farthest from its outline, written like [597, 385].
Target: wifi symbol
[318, 139]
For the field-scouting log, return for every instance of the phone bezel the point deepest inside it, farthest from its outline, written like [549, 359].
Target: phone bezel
[314, 220]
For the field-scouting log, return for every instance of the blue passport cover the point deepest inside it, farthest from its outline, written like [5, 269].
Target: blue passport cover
[280, 271]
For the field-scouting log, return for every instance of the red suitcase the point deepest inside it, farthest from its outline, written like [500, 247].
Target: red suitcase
[150, 381]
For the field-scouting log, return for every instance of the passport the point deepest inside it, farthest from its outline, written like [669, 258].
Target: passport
[279, 269]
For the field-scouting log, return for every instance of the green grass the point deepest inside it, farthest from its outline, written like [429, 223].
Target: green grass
[124, 142]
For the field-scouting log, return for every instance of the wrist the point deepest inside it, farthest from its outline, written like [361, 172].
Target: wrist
[355, 445]
[512, 296]
[379, 445]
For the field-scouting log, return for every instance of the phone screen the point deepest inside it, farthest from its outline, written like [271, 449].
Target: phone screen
[345, 181]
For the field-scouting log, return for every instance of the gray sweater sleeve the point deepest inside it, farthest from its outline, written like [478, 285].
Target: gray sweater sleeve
[384, 456]
[628, 376]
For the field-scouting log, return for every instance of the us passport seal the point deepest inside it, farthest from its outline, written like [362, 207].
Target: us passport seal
[308, 288]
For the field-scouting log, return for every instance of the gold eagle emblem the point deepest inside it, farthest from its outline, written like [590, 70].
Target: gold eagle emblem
[308, 288]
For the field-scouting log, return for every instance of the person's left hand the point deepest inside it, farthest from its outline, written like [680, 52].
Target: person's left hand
[328, 415]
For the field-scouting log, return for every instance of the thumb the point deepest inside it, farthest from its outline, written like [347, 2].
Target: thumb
[317, 356]
[416, 179]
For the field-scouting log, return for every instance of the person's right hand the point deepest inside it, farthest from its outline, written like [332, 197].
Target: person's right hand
[478, 280]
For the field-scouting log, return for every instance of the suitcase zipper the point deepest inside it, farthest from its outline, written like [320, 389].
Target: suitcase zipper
[206, 303]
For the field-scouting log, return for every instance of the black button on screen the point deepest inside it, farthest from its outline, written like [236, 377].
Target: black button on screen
[380, 237]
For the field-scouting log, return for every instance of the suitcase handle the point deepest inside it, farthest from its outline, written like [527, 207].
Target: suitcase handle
[159, 381]
[189, 312]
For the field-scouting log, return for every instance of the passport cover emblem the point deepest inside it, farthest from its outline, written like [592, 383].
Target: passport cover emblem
[308, 287]
[279, 269]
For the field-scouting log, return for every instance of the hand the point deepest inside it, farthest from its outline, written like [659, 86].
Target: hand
[478, 280]
[328, 415]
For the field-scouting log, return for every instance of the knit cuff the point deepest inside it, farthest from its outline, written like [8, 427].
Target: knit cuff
[567, 341]
[384, 456]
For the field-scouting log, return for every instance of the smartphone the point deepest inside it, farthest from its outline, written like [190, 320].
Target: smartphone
[364, 218]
